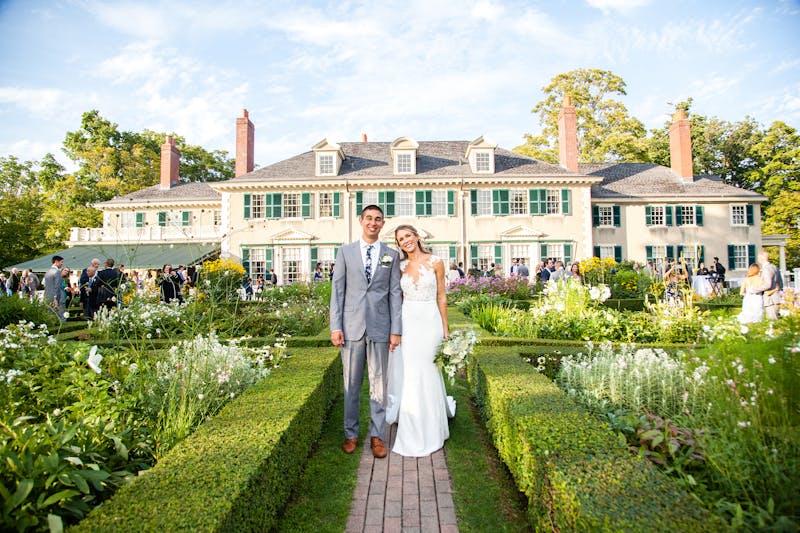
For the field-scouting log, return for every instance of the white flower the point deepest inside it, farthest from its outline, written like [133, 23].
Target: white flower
[94, 360]
[66, 314]
[200, 396]
[132, 368]
[385, 260]
[745, 330]
[771, 360]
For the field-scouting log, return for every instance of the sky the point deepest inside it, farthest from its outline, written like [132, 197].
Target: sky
[426, 69]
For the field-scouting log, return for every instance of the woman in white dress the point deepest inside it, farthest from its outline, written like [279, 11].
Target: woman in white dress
[752, 305]
[422, 417]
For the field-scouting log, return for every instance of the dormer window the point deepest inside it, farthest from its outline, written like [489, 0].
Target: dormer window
[480, 154]
[328, 158]
[404, 155]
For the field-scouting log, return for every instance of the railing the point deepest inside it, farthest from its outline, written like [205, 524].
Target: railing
[145, 234]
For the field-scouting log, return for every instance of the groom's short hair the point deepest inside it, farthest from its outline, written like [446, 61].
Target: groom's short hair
[371, 207]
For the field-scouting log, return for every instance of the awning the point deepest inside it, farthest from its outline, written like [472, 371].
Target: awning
[138, 256]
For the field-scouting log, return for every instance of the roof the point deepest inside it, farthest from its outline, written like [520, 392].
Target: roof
[636, 180]
[373, 159]
[194, 191]
[148, 256]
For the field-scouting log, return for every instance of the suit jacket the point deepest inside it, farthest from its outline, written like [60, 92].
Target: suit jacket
[53, 287]
[106, 283]
[770, 280]
[358, 307]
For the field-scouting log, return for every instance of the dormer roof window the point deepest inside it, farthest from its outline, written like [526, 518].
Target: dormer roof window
[328, 158]
[480, 154]
[404, 155]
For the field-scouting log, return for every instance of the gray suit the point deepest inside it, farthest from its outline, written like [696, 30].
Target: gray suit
[770, 280]
[54, 291]
[367, 313]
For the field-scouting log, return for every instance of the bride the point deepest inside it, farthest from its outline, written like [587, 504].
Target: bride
[419, 391]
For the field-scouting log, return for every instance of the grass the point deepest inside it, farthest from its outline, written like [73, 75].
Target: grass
[321, 500]
[485, 496]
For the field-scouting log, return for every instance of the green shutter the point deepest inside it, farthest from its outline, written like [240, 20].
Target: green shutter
[453, 252]
[543, 251]
[389, 204]
[337, 199]
[313, 259]
[701, 254]
[670, 251]
[305, 209]
[749, 214]
[473, 201]
[565, 203]
[731, 257]
[596, 252]
[420, 201]
[498, 254]
[496, 202]
[277, 204]
[267, 259]
[500, 204]
[617, 216]
[567, 253]
[162, 218]
[648, 215]
[542, 201]
[679, 215]
[473, 254]
[246, 260]
[139, 220]
[451, 203]
[668, 215]
[533, 201]
[680, 252]
[618, 254]
[698, 215]
[648, 250]
[751, 254]
[247, 207]
[595, 216]
[185, 218]
[359, 202]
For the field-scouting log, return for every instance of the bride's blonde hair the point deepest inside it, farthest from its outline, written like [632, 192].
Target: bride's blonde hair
[420, 243]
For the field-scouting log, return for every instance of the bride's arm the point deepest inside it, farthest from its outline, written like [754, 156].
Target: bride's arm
[441, 295]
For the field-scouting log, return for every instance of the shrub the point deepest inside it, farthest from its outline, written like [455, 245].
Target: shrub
[220, 280]
[14, 310]
[576, 475]
[512, 288]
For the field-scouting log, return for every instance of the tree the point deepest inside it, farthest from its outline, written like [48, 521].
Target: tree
[778, 161]
[606, 131]
[21, 201]
[782, 216]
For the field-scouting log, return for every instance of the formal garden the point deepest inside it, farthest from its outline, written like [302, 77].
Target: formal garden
[609, 409]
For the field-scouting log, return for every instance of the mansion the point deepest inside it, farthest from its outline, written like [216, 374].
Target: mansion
[473, 202]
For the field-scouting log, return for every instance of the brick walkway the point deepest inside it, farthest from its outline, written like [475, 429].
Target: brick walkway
[405, 494]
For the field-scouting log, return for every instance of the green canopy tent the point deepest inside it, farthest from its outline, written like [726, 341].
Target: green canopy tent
[133, 256]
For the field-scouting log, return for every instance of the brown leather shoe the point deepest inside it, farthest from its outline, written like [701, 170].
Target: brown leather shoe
[349, 445]
[378, 448]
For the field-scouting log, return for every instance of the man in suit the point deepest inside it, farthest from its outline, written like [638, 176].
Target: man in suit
[522, 270]
[366, 302]
[54, 293]
[107, 282]
[85, 283]
[12, 286]
[771, 284]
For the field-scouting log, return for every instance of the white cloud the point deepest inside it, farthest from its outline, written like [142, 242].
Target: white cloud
[617, 5]
[137, 19]
[40, 101]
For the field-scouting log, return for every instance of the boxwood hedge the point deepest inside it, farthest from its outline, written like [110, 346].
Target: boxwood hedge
[236, 472]
[576, 473]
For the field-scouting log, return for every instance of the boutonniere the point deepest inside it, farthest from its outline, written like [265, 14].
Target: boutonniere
[386, 260]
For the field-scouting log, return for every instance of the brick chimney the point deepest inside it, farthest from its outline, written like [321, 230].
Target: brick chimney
[245, 137]
[363, 137]
[170, 162]
[680, 146]
[568, 136]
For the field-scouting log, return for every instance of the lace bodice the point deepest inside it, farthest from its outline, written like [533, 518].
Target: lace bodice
[423, 288]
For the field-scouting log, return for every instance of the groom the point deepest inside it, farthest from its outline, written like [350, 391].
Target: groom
[366, 302]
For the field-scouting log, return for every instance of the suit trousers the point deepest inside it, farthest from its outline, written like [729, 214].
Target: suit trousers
[354, 355]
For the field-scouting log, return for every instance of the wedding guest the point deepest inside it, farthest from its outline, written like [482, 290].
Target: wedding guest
[575, 272]
[452, 273]
[753, 302]
[170, 284]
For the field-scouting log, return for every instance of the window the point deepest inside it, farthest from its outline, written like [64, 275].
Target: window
[257, 206]
[482, 162]
[518, 202]
[127, 219]
[553, 202]
[290, 266]
[520, 251]
[404, 164]
[555, 251]
[606, 251]
[258, 263]
[442, 251]
[217, 217]
[740, 259]
[174, 218]
[742, 215]
[692, 254]
[291, 205]
[605, 216]
[659, 254]
[686, 214]
[484, 202]
[485, 256]
[325, 202]
[326, 165]
[404, 203]
[439, 204]
[325, 256]
[657, 216]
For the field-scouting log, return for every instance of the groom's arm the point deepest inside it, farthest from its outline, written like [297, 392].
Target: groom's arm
[338, 285]
[395, 305]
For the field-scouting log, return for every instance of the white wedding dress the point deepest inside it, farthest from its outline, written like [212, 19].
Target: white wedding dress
[752, 304]
[417, 399]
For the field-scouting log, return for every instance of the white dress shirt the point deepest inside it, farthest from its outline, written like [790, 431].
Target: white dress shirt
[376, 248]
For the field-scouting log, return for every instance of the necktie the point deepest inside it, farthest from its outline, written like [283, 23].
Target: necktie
[368, 264]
